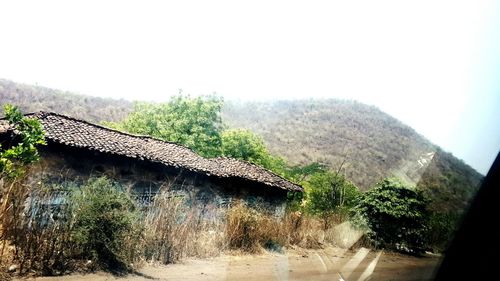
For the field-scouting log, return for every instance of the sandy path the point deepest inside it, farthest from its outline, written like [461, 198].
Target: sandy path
[324, 264]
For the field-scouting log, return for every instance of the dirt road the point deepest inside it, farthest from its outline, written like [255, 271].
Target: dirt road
[325, 264]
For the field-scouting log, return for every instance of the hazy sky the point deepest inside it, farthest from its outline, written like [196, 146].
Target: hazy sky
[435, 65]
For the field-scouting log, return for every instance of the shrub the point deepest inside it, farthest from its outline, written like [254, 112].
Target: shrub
[106, 224]
[330, 196]
[442, 228]
[397, 216]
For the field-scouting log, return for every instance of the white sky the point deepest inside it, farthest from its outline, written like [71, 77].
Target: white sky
[435, 65]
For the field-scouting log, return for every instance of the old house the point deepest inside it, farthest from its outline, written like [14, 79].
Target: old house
[77, 149]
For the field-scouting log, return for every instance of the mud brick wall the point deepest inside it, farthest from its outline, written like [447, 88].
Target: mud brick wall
[61, 165]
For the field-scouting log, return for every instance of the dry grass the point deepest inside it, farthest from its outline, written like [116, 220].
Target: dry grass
[245, 229]
[252, 230]
[173, 230]
[303, 230]
[344, 235]
[6, 258]
[38, 237]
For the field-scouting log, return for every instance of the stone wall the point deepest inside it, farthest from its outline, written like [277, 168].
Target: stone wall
[61, 165]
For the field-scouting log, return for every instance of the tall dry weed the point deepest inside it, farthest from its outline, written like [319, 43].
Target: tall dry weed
[174, 230]
[40, 229]
[252, 230]
[244, 228]
[33, 235]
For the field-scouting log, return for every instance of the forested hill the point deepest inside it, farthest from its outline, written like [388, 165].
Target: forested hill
[35, 98]
[371, 143]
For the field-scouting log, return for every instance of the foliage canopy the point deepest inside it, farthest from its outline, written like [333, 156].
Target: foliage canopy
[246, 145]
[396, 214]
[243, 144]
[193, 122]
[329, 192]
[30, 134]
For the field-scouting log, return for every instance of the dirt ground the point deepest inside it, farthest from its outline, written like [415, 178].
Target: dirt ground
[324, 264]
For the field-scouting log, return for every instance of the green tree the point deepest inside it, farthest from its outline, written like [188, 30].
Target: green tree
[328, 193]
[301, 173]
[193, 122]
[29, 134]
[246, 145]
[196, 123]
[396, 214]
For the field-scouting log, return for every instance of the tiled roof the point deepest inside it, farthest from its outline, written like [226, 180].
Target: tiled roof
[78, 133]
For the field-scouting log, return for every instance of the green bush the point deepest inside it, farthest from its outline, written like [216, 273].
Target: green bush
[191, 121]
[330, 195]
[106, 223]
[442, 228]
[397, 216]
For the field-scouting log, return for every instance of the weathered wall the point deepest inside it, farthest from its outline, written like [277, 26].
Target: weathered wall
[60, 164]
